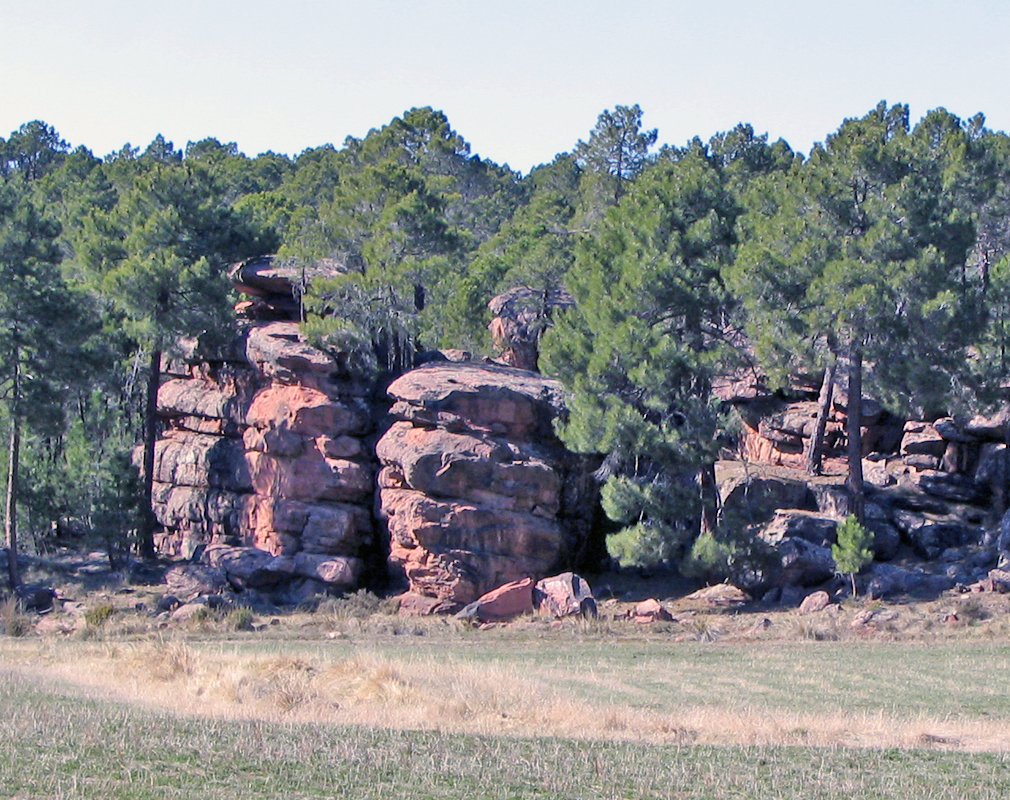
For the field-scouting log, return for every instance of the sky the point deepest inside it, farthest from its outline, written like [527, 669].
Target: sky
[521, 81]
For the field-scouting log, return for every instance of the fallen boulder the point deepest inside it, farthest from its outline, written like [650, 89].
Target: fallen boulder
[564, 595]
[501, 604]
[649, 611]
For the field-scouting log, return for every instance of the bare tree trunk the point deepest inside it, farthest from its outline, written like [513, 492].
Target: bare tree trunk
[853, 428]
[148, 522]
[815, 449]
[10, 506]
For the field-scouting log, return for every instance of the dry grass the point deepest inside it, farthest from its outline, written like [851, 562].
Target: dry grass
[698, 693]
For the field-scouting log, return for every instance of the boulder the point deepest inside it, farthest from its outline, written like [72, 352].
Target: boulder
[281, 353]
[564, 595]
[333, 571]
[248, 567]
[754, 500]
[886, 580]
[815, 602]
[951, 486]
[649, 611]
[506, 602]
[475, 488]
[412, 604]
[792, 561]
[721, 594]
[458, 549]
[502, 401]
[930, 534]
[305, 411]
[921, 438]
[266, 276]
[886, 539]
[443, 464]
[819, 529]
[187, 581]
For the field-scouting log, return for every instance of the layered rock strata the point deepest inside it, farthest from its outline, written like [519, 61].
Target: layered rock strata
[475, 488]
[264, 447]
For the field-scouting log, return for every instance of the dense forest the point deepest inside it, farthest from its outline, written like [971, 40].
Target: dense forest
[883, 253]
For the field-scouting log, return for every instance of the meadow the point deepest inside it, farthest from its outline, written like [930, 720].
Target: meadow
[346, 704]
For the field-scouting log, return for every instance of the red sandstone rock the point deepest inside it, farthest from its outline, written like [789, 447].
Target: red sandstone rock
[445, 464]
[281, 353]
[419, 605]
[504, 401]
[310, 477]
[302, 410]
[649, 611]
[506, 602]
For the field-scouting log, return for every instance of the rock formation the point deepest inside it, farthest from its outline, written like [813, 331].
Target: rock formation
[263, 447]
[475, 488]
[520, 316]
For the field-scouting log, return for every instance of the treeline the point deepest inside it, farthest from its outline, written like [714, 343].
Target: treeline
[885, 247]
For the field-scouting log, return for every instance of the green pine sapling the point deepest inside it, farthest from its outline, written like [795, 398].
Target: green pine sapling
[852, 550]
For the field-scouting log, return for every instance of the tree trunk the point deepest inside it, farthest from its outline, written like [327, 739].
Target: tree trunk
[709, 491]
[148, 522]
[853, 429]
[11, 506]
[815, 450]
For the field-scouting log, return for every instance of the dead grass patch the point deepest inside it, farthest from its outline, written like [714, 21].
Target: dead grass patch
[418, 691]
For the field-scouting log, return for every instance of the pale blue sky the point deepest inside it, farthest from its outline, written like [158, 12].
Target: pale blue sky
[520, 80]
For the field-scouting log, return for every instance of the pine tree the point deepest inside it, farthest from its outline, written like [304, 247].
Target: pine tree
[639, 349]
[40, 333]
[852, 550]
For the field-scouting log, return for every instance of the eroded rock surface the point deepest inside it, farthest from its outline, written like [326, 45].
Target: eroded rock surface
[475, 489]
[263, 448]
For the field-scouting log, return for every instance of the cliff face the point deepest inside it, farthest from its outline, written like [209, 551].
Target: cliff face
[269, 447]
[264, 447]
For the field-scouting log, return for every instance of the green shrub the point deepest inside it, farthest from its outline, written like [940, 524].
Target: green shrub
[239, 619]
[97, 616]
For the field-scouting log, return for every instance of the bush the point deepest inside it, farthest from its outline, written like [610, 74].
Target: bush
[239, 619]
[12, 621]
[96, 616]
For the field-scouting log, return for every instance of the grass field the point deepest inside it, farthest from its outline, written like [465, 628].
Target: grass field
[382, 708]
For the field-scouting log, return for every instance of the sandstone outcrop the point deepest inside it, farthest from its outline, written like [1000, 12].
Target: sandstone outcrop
[264, 448]
[475, 489]
[777, 431]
